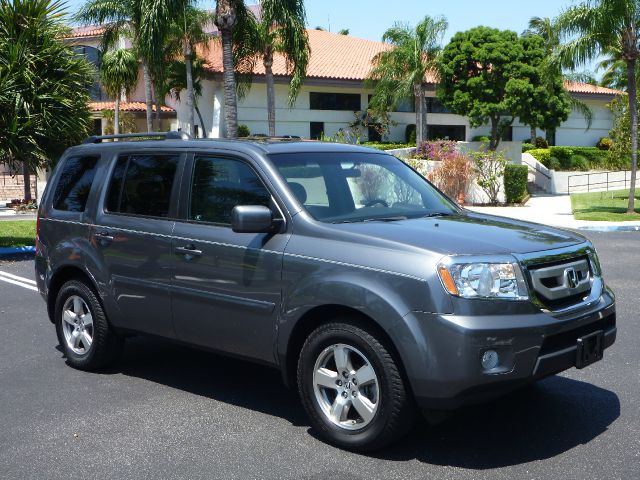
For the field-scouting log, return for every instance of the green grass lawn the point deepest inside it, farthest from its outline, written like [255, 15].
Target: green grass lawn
[604, 206]
[17, 233]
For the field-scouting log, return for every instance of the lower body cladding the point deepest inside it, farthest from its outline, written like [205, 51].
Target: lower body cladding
[468, 359]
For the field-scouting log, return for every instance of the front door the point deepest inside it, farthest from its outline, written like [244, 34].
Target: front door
[133, 236]
[226, 285]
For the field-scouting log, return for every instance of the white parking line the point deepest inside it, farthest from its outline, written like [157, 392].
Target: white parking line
[16, 280]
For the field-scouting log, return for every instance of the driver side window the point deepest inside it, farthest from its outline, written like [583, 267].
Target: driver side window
[219, 184]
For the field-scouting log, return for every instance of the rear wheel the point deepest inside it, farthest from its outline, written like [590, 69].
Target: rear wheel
[352, 388]
[86, 337]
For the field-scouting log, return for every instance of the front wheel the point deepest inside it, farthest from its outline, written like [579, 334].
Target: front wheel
[352, 388]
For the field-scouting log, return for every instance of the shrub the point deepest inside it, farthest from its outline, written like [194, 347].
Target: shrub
[438, 150]
[605, 143]
[579, 163]
[453, 176]
[488, 167]
[563, 154]
[481, 138]
[243, 131]
[410, 134]
[539, 142]
[515, 183]
[527, 146]
[387, 146]
[552, 163]
[541, 154]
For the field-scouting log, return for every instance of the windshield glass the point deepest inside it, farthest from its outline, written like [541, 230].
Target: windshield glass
[347, 187]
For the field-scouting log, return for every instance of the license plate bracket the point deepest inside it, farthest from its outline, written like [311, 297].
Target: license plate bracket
[590, 349]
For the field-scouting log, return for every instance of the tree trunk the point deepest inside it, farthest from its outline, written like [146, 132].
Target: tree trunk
[495, 139]
[204, 132]
[633, 111]
[158, 110]
[420, 134]
[116, 117]
[271, 101]
[148, 96]
[190, 95]
[27, 181]
[230, 98]
[534, 134]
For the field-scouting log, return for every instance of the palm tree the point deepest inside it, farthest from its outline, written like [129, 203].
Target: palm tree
[399, 73]
[119, 75]
[226, 17]
[176, 82]
[279, 30]
[595, 27]
[44, 86]
[123, 18]
[547, 28]
[615, 69]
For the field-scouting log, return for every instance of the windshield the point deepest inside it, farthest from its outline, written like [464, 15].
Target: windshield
[349, 187]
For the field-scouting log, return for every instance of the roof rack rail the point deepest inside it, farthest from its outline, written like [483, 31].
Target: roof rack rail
[171, 135]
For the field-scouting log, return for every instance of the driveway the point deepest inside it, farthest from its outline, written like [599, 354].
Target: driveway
[166, 411]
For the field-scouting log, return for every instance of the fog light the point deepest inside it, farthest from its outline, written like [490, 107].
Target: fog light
[490, 360]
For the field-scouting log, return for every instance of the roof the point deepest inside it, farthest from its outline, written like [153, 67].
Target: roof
[333, 56]
[126, 107]
[86, 31]
[577, 87]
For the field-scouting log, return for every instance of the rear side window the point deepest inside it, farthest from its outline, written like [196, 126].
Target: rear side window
[142, 184]
[74, 184]
[219, 184]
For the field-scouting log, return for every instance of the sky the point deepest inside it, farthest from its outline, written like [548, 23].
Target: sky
[370, 18]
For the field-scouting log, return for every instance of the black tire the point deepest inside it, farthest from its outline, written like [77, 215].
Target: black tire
[106, 345]
[396, 409]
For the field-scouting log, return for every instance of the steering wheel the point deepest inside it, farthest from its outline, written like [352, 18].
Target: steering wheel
[376, 201]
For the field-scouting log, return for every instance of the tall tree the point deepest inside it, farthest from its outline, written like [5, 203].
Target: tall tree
[226, 17]
[615, 69]
[280, 29]
[594, 27]
[123, 19]
[44, 86]
[119, 74]
[176, 82]
[398, 74]
[479, 72]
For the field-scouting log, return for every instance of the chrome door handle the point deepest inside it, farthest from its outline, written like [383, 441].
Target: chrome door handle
[189, 251]
[103, 237]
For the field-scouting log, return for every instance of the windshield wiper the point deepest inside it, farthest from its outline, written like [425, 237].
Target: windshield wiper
[438, 214]
[367, 220]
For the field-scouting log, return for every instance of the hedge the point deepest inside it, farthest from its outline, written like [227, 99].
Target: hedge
[388, 146]
[596, 159]
[515, 183]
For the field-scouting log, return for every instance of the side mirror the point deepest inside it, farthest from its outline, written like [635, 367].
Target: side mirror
[251, 219]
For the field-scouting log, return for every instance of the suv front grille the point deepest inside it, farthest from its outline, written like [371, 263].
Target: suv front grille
[562, 284]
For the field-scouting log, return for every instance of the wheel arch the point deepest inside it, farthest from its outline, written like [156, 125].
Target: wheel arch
[61, 276]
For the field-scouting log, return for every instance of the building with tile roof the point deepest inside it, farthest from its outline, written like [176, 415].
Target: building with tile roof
[334, 89]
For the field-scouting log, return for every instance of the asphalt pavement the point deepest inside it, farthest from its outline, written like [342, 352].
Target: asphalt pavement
[167, 411]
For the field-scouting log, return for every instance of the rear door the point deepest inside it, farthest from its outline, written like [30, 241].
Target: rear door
[132, 233]
[226, 285]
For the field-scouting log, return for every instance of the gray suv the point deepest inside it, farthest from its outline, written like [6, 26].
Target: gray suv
[373, 293]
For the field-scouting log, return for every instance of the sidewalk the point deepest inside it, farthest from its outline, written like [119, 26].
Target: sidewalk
[554, 210]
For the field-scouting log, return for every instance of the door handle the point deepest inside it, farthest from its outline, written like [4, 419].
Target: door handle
[104, 237]
[189, 251]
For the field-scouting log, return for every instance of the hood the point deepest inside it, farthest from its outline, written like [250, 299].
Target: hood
[468, 233]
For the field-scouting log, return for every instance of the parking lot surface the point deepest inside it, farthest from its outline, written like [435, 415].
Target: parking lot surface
[167, 411]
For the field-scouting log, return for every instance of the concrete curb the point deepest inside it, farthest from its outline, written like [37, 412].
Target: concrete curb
[16, 250]
[611, 228]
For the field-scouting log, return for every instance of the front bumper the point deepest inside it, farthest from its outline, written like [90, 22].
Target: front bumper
[530, 345]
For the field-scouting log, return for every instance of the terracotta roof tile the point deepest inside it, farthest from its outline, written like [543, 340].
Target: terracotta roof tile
[125, 107]
[577, 87]
[87, 31]
[334, 56]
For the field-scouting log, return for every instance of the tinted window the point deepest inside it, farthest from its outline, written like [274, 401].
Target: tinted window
[74, 184]
[142, 184]
[334, 101]
[219, 184]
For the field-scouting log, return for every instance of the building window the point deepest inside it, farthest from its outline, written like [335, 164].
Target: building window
[447, 132]
[408, 105]
[507, 134]
[335, 101]
[316, 130]
[94, 57]
[435, 106]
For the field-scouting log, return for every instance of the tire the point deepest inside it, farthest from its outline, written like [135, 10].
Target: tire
[89, 323]
[388, 406]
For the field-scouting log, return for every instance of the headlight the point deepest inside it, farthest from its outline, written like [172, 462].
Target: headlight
[482, 279]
